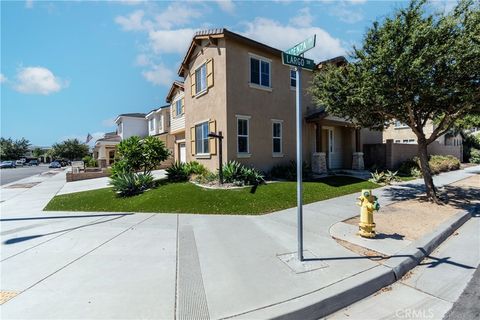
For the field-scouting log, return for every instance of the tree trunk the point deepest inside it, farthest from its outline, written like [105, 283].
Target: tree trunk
[427, 174]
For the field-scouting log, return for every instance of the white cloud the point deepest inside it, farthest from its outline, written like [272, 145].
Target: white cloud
[110, 122]
[133, 22]
[82, 138]
[170, 41]
[176, 14]
[29, 4]
[142, 60]
[443, 6]
[3, 79]
[346, 14]
[159, 75]
[283, 37]
[226, 5]
[38, 80]
[303, 19]
[130, 2]
[357, 1]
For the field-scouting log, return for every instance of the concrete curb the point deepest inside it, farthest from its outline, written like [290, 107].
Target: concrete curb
[327, 300]
[410, 257]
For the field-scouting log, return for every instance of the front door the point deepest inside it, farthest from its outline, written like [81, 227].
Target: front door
[182, 152]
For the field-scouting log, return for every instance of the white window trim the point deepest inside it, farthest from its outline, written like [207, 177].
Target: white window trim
[290, 79]
[259, 86]
[204, 91]
[244, 154]
[401, 126]
[201, 155]
[277, 154]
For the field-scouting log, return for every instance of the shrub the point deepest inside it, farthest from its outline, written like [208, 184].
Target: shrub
[119, 167]
[89, 161]
[194, 167]
[142, 154]
[289, 171]
[178, 172]
[384, 177]
[235, 172]
[474, 155]
[129, 183]
[206, 178]
[443, 163]
[407, 167]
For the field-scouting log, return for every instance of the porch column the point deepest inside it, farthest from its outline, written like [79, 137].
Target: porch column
[357, 157]
[318, 137]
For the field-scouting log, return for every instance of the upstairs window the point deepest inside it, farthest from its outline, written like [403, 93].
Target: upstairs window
[293, 78]
[151, 124]
[201, 79]
[259, 72]
[178, 107]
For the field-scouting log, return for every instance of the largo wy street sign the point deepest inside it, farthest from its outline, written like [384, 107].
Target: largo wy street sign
[303, 46]
[297, 61]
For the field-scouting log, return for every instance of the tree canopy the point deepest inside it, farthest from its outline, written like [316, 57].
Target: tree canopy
[70, 149]
[414, 67]
[13, 149]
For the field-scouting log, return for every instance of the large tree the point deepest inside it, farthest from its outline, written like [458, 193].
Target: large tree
[70, 149]
[413, 67]
[13, 149]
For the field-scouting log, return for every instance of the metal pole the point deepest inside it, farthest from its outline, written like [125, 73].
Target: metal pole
[220, 156]
[299, 164]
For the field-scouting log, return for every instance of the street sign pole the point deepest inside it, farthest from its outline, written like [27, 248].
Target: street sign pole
[299, 164]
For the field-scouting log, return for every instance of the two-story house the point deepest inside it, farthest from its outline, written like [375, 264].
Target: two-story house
[239, 87]
[158, 121]
[176, 99]
[131, 124]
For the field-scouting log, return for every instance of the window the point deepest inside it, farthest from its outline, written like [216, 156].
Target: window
[330, 141]
[293, 78]
[201, 138]
[151, 124]
[242, 135]
[178, 107]
[120, 126]
[399, 124]
[277, 137]
[259, 72]
[397, 141]
[201, 79]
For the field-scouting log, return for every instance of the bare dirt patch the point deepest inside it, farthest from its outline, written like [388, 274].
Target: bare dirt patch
[415, 218]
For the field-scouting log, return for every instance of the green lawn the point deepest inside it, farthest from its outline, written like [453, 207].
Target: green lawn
[188, 198]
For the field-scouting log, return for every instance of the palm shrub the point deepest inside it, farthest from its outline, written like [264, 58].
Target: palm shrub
[178, 172]
[193, 167]
[474, 155]
[120, 167]
[128, 184]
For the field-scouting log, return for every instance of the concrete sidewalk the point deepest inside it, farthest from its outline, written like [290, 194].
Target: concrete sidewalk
[164, 266]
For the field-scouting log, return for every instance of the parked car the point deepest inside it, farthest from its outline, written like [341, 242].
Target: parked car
[19, 163]
[55, 164]
[33, 163]
[8, 164]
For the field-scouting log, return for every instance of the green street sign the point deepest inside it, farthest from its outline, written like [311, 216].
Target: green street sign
[303, 46]
[297, 61]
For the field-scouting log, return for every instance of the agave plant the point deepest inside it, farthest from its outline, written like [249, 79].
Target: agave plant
[178, 172]
[125, 184]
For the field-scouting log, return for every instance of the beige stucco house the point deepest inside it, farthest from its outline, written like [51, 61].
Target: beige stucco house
[105, 148]
[401, 133]
[176, 100]
[239, 87]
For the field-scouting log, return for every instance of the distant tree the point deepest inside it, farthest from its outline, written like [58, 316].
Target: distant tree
[13, 149]
[412, 67]
[37, 152]
[70, 149]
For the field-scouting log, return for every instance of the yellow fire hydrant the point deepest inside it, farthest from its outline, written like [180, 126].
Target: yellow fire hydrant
[368, 203]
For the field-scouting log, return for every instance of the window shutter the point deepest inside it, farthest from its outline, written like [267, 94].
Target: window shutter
[192, 81]
[210, 73]
[192, 140]
[183, 105]
[212, 127]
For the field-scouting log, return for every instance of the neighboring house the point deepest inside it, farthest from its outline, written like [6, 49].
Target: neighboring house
[158, 121]
[239, 87]
[401, 133]
[176, 99]
[105, 148]
[131, 124]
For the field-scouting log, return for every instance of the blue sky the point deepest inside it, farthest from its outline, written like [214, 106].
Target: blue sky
[68, 68]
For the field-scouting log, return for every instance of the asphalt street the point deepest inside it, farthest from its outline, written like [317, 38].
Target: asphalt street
[8, 175]
[468, 305]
